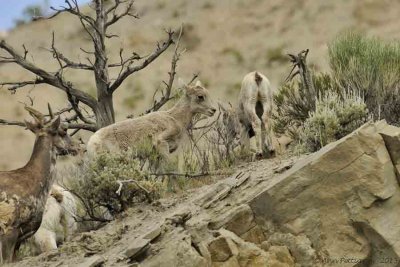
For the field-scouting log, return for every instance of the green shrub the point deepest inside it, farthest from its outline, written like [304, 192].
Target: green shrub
[335, 116]
[293, 103]
[96, 182]
[370, 66]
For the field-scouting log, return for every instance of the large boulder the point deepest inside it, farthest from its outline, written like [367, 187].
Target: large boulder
[344, 199]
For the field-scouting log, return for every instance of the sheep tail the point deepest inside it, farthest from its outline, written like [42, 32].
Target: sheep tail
[258, 79]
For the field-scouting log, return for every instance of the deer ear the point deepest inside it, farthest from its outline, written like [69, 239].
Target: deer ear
[54, 124]
[31, 126]
[198, 83]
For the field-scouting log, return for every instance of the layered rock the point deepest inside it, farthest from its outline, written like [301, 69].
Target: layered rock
[344, 199]
[336, 207]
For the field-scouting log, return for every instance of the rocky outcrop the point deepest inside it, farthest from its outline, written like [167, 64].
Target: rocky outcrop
[344, 199]
[336, 207]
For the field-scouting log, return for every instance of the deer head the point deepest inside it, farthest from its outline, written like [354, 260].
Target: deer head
[54, 129]
[199, 98]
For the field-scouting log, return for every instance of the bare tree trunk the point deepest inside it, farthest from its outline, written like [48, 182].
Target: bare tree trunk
[104, 111]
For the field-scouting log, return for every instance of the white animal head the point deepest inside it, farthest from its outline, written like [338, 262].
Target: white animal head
[200, 101]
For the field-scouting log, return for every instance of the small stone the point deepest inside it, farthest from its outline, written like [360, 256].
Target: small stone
[221, 249]
[254, 235]
[137, 248]
[238, 220]
[153, 233]
[94, 261]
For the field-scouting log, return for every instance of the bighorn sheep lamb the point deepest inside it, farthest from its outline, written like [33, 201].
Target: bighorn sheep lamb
[23, 192]
[58, 222]
[254, 112]
[165, 128]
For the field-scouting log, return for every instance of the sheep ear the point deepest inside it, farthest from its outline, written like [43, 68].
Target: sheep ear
[198, 83]
[181, 83]
[221, 106]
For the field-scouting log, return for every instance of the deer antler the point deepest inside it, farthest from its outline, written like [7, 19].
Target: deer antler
[37, 115]
[50, 111]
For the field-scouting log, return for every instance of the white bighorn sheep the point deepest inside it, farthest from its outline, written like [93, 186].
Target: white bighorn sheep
[165, 128]
[23, 192]
[254, 112]
[58, 222]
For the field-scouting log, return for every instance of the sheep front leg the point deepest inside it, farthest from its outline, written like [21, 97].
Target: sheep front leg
[162, 146]
[163, 140]
[7, 246]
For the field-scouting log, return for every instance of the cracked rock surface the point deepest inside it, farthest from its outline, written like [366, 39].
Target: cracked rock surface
[336, 207]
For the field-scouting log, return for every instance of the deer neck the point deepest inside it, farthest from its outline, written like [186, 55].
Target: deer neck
[41, 165]
[182, 112]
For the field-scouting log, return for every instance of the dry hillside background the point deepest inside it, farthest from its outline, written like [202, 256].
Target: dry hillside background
[224, 39]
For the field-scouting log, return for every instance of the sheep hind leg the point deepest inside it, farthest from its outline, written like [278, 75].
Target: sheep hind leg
[268, 147]
[256, 125]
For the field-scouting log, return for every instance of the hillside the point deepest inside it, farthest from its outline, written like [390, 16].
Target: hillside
[335, 207]
[224, 40]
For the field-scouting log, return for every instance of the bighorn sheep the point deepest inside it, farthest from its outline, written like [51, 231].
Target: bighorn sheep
[255, 107]
[58, 222]
[165, 128]
[23, 192]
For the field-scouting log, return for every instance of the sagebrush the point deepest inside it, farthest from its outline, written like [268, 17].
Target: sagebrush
[335, 116]
[370, 66]
[110, 183]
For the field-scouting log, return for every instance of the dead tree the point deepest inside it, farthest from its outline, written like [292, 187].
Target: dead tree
[97, 28]
[300, 61]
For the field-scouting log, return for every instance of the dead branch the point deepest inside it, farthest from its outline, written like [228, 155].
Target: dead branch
[116, 17]
[127, 61]
[121, 182]
[13, 86]
[130, 70]
[68, 63]
[83, 126]
[167, 92]
[75, 106]
[73, 8]
[14, 123]
[47, 77]
[188, 175]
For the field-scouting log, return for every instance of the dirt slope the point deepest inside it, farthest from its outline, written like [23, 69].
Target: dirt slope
[335, 207]
[225, 39]
[112, 241]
